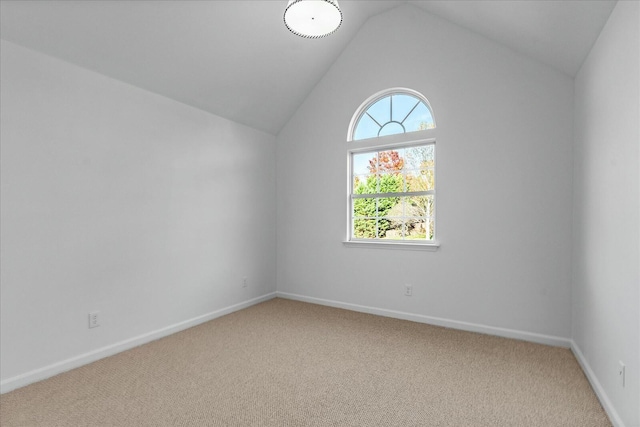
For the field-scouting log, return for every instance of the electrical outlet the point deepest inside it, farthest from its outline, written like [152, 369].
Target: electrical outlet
[244, 282]
[621, 373]
[94, 319]
[408, 290]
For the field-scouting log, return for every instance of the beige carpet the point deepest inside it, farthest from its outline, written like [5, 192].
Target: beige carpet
[287, 363]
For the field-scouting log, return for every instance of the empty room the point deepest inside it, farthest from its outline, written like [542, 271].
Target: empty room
[320, 213]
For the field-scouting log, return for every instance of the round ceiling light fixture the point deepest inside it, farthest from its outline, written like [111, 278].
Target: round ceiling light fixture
[312, 18]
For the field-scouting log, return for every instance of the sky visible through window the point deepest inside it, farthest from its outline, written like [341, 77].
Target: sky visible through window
[393, 114]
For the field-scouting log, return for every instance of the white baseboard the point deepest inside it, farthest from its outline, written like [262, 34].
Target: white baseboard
[437, 321]
[86, 358]
[597, 387]
[83, 359]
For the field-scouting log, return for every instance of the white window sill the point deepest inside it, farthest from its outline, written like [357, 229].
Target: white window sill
[402, 245]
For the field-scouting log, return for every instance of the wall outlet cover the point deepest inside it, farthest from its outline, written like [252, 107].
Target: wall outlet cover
[94, 319]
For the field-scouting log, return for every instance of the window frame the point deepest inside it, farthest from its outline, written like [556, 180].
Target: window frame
[385, 143]
[425, 137]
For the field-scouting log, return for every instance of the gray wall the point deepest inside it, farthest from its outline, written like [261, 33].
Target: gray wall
[606, 239]
[504, 177]
[119, 200]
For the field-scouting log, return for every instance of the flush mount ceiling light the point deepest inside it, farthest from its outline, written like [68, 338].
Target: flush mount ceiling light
[312, 18]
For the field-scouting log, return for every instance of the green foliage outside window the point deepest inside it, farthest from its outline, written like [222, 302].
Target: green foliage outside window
[372, 208]
[380, 217]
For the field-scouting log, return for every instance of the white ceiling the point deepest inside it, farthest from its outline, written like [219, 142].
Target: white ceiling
[236, 59]
[557, 33]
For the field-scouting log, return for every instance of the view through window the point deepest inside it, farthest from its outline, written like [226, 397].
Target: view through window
[392, 188]
[393, 114]
[393, 193]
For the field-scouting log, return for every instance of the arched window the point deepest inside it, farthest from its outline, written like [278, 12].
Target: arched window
[392, 171]
[391, 112]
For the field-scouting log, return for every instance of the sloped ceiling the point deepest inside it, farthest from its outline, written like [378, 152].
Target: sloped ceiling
[237, 60]
[557, 33]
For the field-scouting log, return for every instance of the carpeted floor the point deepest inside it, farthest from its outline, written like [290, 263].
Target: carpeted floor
[287, 363]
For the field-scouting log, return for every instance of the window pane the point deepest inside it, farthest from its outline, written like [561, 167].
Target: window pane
[364, 228]
[415, 228]
[402, 105]
[419, 206]
[384, 225]
[391, 160]
[399, 170]
[365, 184]
[397, 212]
[430, 176]
[421, 180]
[419, 157]
[391, 183]
[390, 229]
[391, 128]
[381, 110]
[385, 205]
[419, 119]
[361, 163]
[366, 128]
[393, 114]
[364, 207]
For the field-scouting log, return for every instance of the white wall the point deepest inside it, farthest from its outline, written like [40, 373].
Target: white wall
[606, 301]
[119, 200]
[504, 178]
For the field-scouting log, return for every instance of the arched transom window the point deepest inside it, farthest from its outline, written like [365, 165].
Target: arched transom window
[392, 178]
[393, 112]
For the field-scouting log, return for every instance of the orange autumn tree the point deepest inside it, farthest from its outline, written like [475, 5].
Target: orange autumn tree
[387, 161]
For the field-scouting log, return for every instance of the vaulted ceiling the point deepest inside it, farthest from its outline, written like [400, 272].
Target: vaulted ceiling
[237, 60]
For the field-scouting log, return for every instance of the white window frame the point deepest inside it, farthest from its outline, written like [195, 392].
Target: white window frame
[383, 143]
